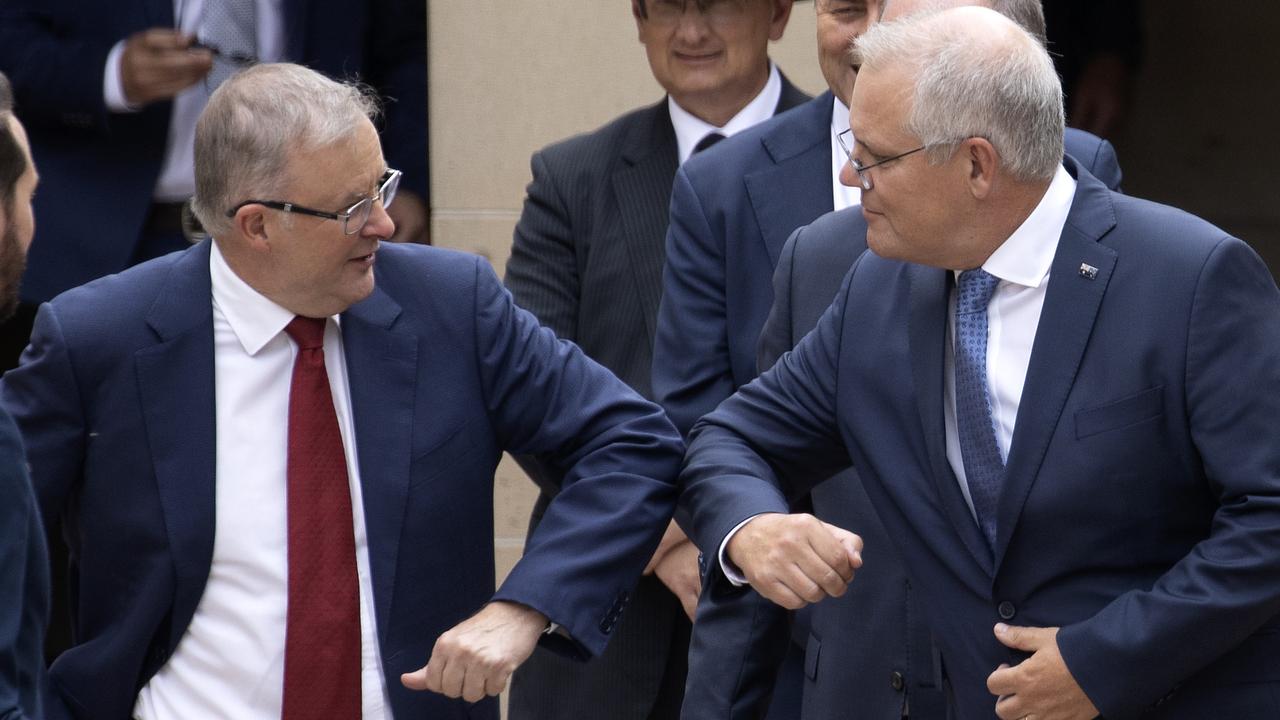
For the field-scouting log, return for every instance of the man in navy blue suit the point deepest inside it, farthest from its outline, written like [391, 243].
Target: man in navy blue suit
[730, 215]
[110, 92]
[274, 452]
[24, 565]
[1057, 399]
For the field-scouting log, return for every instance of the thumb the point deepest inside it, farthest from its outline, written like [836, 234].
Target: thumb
[1027, 639]
[416, 680]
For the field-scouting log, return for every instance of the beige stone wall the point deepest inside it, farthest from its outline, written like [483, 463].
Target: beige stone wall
[507, 78]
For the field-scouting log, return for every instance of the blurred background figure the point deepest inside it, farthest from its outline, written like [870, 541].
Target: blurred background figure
[24, 564]
[110, 92]
[587, 258]
[1096, 46]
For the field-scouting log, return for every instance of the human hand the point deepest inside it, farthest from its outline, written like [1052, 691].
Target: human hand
[1040, 687]
[1101, 96]
[477, 656]
[795, 560]
[678, 570]
[409, 213]
[158, 63]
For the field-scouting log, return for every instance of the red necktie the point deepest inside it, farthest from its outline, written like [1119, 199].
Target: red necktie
[322, 631]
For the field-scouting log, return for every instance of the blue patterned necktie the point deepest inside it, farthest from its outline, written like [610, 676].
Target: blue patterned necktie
[230, 26]
[983, 467]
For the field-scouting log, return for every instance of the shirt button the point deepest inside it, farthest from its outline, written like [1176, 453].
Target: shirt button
[1007, 610]
[896, 681]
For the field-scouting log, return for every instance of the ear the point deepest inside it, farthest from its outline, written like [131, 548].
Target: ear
[778, 22]
[983, 162]
[250, 224]
[638, 14]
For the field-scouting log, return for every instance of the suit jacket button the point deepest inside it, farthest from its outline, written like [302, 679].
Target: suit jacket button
[896, 681]
[1007, 610]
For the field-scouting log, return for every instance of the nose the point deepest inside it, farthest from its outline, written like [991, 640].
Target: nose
[848, 177]
[380, 224]
[693, 25]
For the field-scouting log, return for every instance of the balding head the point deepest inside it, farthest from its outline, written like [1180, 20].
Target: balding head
[975, 74]
[1028, 14]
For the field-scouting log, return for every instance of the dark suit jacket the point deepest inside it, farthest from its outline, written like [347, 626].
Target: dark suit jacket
[115, 398]
[24, 583]
[586, 259]
[1141, 492]
[98, 169]
[732, 210]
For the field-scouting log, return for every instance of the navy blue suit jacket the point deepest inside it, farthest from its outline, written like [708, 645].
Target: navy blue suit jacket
[115, 398]
[24, 583]
[1141, 500]
[98, 169]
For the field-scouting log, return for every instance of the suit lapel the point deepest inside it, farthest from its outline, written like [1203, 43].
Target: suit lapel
[642, 190]
[797, 188]
[1071, 306]
[928, 337]
[382, 371]
[176, 386]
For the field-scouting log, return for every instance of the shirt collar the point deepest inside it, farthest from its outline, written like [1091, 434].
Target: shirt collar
[839, 116]
[254, 318]
[690, 130]
[1025, 258]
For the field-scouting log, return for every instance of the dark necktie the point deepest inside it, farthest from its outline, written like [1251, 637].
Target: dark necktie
[322, 630]
[706, 142]
[983, 467]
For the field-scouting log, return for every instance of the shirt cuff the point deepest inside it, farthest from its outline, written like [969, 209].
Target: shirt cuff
[113, 83]
[732, 572]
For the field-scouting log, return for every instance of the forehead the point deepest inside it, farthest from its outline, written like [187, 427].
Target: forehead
[880, 103]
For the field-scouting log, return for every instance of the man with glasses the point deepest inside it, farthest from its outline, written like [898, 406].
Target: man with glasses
[586, 259]
[732, 213]
[1059, 399]
[273, 453]
[110, 93]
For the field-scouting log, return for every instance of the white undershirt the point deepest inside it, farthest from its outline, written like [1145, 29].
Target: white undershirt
[1022, 263]
[177, 175]
[842, 195]
[230, 662]
[690, 130]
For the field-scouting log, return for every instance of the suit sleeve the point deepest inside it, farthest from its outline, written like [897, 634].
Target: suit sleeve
[770, 442]
[43, 396]
[775, 337]
[691, 370]
[56, 75]
[1141, 645]
[619, 456]
[24, 586]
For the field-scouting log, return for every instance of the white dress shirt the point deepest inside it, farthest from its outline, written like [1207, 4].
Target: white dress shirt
[230, 662]
[1022, 264]
[690, 130]
[842, 195]
[177, 172]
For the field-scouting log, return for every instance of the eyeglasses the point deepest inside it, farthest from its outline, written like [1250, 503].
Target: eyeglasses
[864, 177]
[669, 12]
[353, 218]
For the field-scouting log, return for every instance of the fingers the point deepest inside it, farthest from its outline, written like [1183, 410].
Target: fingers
[1027, 639]
[678, 570]
[795, 560]
[159, 63]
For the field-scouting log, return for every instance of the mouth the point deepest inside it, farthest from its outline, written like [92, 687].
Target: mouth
[866, 213]
[364, 259]
[696, 58]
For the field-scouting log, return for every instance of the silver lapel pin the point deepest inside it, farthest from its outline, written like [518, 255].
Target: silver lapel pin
[1088, 271]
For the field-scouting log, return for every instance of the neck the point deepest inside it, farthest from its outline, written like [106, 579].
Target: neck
[1000, 219]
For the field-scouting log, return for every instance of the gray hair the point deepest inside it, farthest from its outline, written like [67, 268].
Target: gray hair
[255, 120]
[1028, 14]
[972, 83]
